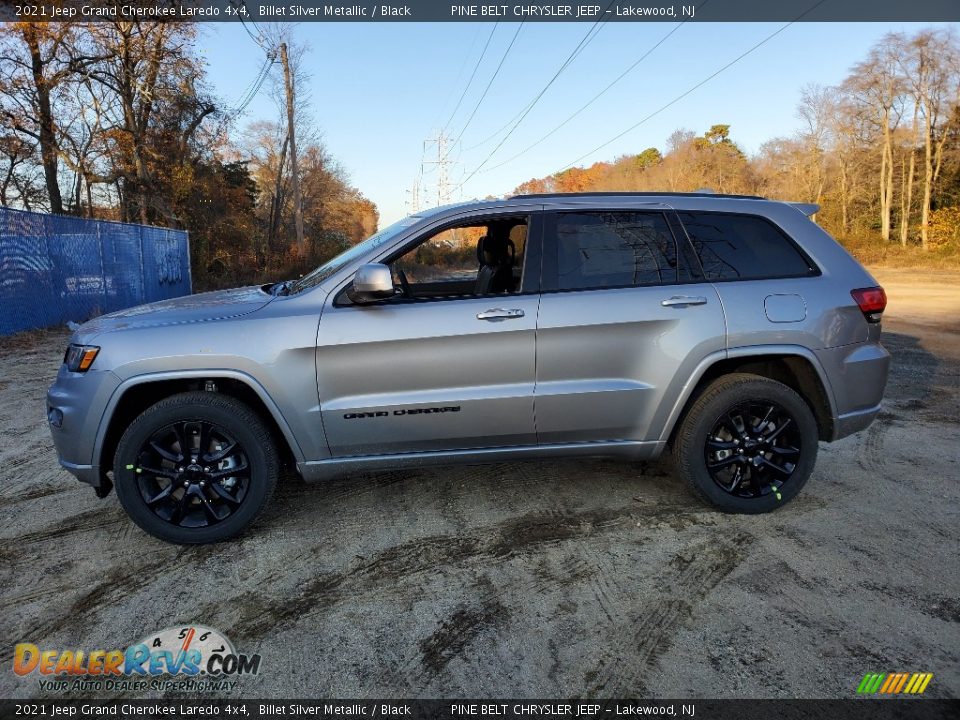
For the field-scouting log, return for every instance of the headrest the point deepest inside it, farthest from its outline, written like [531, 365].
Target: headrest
[500, 248]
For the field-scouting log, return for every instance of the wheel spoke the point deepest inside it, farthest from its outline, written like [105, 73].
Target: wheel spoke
[164, 453]
[785, 450]
[737, 478]
[204, 443]
[716, 465]
[180, 430]
[225, 494]
[773, 466]
[180, 509]
[241, 470]
[776, 433]
[220, 454]
[759, 426]
[720, 444]
[162, 495]
[732, 426]
[207, 507]
[158, 472]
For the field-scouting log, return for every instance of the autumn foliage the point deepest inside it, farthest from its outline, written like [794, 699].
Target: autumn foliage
[115, 120]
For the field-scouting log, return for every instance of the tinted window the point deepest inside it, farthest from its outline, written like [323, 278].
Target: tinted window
[614, 249]
[743, 247]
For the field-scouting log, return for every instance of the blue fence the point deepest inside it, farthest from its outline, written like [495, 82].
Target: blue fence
[55, 268]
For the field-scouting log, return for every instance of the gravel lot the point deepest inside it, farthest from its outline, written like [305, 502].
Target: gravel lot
[587, 578]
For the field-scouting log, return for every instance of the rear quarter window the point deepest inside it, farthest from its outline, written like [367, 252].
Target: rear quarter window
[743, 247]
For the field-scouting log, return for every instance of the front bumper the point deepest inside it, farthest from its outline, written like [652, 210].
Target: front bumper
[75, 406]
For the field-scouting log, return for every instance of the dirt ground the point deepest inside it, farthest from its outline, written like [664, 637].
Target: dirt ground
[587, 578]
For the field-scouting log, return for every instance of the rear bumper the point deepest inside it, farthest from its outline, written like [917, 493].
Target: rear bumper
[858, 377]
[854, 422]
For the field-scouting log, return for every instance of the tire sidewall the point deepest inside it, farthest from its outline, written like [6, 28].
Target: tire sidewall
[161, 415]
[709, 413]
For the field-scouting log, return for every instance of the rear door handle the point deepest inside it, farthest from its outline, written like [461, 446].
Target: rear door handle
[684, 301]
[500, 314]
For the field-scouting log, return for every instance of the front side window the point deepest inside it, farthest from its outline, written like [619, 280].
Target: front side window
[481, 258]
[743, 247]
[596, 250]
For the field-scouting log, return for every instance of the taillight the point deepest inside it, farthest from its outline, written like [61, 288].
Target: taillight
[872, 302]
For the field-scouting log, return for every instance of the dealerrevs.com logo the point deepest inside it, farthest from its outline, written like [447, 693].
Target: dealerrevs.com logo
[191, 658]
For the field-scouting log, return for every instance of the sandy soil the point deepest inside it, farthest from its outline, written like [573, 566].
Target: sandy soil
[586, 578]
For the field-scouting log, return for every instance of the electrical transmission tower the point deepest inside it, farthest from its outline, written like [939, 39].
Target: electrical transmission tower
[440, 142]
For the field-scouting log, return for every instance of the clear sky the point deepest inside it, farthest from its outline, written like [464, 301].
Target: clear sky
[381, 89]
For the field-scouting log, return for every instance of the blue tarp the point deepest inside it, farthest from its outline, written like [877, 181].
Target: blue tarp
[56, 268]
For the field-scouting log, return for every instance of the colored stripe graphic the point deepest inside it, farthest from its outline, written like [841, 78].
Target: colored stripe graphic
[870, 683]
[894, 683]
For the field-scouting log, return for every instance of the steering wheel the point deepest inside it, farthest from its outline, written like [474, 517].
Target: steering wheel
[404, 283]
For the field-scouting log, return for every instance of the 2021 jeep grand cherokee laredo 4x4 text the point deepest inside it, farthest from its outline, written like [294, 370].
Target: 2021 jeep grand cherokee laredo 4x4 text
[731, 329]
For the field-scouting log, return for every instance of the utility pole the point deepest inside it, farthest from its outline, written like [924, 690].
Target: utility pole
[297, 202]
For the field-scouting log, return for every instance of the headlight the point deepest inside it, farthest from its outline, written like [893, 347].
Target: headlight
[79, 358]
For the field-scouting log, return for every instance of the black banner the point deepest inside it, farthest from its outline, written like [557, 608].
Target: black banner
[854, 709]
[441, 11]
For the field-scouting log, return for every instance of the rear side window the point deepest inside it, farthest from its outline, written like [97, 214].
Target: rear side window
[743, 247]
[614, 249]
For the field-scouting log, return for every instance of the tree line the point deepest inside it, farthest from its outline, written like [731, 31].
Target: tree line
[115, 120]
[880, 152]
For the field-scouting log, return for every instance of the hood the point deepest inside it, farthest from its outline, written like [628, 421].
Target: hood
[217, 305]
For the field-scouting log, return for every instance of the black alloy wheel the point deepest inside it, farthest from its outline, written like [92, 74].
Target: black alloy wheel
[198, 467]
[746, 444]
[192, 473]
[753, 449]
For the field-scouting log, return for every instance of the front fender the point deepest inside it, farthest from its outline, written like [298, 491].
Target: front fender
[187, 375]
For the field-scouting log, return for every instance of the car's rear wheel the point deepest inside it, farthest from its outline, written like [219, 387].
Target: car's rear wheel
[196, 468]
[747, 444]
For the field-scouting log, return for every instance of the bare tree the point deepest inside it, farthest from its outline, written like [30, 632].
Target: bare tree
[37, 62]
[877, 84]
[932, 68]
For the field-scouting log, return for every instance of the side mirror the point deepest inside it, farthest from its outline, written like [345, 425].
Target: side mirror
[373, 282]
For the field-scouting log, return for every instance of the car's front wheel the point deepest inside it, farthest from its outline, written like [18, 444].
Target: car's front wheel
[196, 467]
[747, 444]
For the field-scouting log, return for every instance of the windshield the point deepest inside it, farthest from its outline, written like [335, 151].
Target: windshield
[330, 267]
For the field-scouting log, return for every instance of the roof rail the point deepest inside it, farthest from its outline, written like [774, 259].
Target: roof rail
[636, 194]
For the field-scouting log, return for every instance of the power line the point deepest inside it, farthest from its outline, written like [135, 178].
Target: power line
[456, 82]
[472, 75]
[258, 38]
[526, 107]
[487, 88]
[695, 87]
[251, 92]
[597, 96]
[576, 51]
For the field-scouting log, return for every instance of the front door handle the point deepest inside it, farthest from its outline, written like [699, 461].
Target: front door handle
[500, 314]
[684, 301]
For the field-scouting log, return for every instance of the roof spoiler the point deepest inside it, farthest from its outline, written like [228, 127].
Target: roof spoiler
[807, 209]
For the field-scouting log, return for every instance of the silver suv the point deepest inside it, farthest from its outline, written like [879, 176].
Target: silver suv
[731, 329]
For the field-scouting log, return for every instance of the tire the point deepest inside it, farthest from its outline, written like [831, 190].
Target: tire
[728, 427]
[196, 497]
